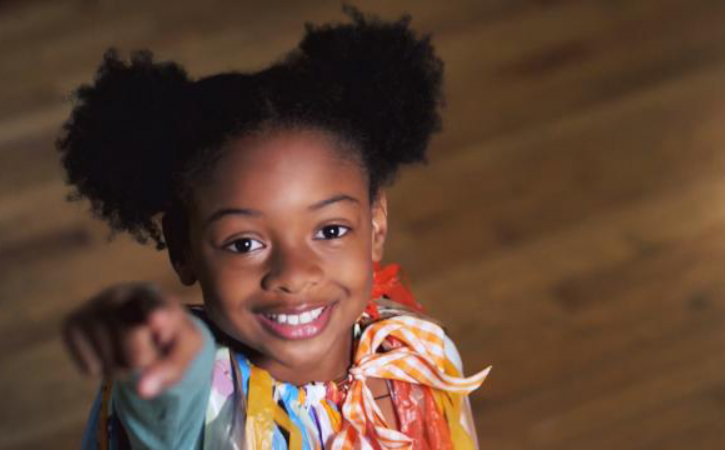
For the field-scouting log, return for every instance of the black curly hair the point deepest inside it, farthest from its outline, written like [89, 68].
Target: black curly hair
[141, 136]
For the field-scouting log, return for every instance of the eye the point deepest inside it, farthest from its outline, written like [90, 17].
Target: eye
[244, 245]
[332, 232]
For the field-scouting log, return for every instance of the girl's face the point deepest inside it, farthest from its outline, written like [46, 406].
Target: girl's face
[282, 238]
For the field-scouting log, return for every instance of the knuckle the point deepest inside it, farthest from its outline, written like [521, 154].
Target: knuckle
[138, 350]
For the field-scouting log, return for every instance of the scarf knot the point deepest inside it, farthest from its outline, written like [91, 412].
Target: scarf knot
[357, 374]
[417, 357]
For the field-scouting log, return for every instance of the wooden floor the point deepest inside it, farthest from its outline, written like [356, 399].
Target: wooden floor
[570, 228]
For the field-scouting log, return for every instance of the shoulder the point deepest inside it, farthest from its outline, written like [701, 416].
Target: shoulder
[452, 354]
[419, 327]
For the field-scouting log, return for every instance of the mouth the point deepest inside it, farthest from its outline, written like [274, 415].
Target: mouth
[299, 324]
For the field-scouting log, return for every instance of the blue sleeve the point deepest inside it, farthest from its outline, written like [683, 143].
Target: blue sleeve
[175, 418]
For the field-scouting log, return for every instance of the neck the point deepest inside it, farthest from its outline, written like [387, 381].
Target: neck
[332, 368]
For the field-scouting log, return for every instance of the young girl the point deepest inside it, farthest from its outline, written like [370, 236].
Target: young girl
[268, 190]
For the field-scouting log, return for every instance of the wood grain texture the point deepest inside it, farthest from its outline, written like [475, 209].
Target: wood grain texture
[569, 229]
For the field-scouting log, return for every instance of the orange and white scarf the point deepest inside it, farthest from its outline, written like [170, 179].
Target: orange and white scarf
[419, 360]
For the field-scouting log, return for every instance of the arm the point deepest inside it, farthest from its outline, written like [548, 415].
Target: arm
[468, 421]
[174, 418]
[452, 354]
[158, 355]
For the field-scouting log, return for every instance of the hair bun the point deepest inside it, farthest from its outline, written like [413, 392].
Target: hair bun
[382, 78]
[121, 137]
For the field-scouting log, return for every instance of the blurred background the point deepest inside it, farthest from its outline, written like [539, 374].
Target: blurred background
[569, 230]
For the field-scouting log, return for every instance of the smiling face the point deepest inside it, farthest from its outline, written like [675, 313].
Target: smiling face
[282, 237]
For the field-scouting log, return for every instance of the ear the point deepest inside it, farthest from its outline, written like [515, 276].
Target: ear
[176, 237]
[380, 225]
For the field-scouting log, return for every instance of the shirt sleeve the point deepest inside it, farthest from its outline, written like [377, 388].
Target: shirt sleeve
[175, 418]
[451, 352]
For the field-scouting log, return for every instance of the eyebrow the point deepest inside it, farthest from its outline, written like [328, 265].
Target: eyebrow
[333, 199]
[256, 213]
[232, 212]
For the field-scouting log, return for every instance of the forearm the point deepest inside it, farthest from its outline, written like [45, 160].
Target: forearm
[174, 418]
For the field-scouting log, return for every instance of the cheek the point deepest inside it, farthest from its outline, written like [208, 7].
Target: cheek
[363, 270]
[356, 272]
[225, 285]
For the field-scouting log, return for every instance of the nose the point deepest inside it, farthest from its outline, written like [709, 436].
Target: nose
[292, 271]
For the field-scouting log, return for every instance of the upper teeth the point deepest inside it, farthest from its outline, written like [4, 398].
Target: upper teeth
[295, 319]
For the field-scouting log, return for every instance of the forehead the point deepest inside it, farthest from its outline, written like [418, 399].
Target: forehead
[285, 169]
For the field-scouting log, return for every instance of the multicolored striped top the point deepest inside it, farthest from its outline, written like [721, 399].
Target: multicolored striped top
[427, 391]
[248, 409]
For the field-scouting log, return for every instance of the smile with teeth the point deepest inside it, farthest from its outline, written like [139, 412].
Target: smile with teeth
[303, 325]
[296, 319]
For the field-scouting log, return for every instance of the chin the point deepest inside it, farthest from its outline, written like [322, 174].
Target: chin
[303, 353]
[300, 360]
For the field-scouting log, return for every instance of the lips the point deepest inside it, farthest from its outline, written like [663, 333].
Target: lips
[298, 323]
